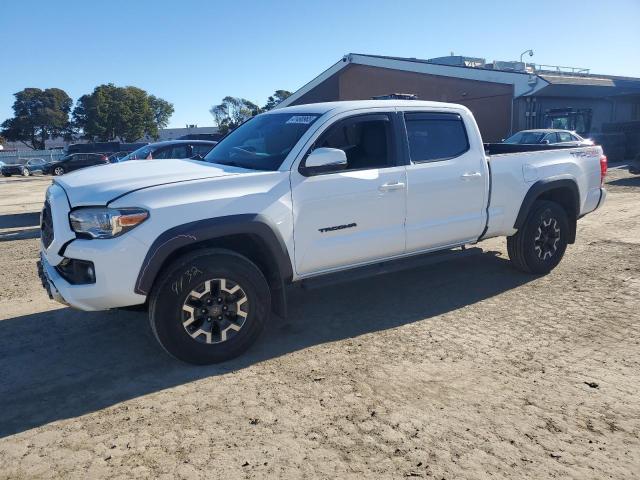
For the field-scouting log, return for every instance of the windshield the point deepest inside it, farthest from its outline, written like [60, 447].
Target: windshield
[263, 142]
[140, 154]
[525, 137]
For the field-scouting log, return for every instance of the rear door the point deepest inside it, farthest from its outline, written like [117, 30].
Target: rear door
[180, 150]
[447, 180]
[355, 214]
[78, 160]
[95, 159]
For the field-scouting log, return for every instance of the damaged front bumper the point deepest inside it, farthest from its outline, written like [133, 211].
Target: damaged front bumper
[45, 272]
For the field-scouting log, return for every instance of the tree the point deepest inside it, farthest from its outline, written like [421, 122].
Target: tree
[277, 97]
[162, 111]
[229, 114]
[38, 116]
[123, 113]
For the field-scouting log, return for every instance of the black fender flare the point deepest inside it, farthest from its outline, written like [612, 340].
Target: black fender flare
[542, 186]
[209, 229]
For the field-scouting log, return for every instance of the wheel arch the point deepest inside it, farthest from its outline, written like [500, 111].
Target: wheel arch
[563, 191]
[250, 235]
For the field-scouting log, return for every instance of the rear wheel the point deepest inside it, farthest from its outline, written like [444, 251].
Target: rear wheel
[209, 306]
[6, 174]
[540, 244]
[58, 171]
[25, 172]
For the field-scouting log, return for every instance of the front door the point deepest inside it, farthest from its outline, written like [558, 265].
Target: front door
[354, 215]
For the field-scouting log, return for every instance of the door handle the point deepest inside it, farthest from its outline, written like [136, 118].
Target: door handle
[386, 187]
[470, 175]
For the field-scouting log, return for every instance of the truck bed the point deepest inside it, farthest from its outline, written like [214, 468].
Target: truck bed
[514, 171]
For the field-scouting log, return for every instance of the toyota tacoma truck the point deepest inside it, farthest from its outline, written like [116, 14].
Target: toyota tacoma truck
[301, 194]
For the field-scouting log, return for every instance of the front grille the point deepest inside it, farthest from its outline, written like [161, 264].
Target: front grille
[46, 225]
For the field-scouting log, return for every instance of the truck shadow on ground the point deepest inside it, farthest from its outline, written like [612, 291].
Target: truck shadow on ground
[63, 363]
[22, 225]
[626, 182]
[20, 220]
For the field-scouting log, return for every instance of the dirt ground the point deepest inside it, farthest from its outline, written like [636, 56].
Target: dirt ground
[468, 369]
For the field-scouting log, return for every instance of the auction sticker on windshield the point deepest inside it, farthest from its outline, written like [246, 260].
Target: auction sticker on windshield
[304, 119]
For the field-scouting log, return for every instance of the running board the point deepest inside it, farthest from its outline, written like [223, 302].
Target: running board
[389, 266]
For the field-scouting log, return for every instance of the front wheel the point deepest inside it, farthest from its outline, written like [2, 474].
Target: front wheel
[58, 171]
[6, 174]
[209, 306]
[25, 172]
[540, 244]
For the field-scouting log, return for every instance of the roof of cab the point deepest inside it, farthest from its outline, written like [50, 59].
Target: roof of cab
[343, 106]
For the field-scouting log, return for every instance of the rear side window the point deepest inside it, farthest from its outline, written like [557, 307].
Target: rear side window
[565, 137]
[173, 151]
[201, 149]
[435, 136]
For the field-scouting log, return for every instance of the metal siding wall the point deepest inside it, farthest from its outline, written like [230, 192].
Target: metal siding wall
[22, 156]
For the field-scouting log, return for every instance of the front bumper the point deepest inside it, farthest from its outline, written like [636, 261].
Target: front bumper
[116, 262]
[45, 272]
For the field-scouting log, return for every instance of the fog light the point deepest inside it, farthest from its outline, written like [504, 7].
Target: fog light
[77, 272]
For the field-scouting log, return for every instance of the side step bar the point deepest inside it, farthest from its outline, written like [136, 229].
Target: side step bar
[389, 266]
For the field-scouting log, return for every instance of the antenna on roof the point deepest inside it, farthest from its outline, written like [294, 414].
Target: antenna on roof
[396, 96]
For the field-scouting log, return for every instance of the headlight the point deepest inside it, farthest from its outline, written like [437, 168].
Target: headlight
[102, 222]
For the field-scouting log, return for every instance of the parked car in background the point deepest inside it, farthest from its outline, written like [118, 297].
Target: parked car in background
[31, 166]
[548, 137]
[195, 149]
[103, 147]
[214, 137]
[75, 161]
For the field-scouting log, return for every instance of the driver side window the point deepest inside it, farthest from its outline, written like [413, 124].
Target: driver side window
[366, 141]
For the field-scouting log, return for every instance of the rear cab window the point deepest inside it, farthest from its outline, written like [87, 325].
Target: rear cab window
[435, 136]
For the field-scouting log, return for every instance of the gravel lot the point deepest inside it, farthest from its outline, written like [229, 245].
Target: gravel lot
[465, 370]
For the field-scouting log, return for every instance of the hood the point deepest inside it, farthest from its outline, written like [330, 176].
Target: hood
[100, 184]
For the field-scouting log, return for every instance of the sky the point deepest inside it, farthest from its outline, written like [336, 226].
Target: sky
[193, 53]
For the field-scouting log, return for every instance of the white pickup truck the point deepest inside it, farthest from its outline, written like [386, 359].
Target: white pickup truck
[304, 193]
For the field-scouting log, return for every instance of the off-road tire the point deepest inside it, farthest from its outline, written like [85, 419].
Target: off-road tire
[173, 290]
[530, 250]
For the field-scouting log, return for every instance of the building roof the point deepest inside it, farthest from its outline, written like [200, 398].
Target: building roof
[591, 85]
[524, 83]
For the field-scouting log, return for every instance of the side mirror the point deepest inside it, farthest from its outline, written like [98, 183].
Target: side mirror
[325, 160]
